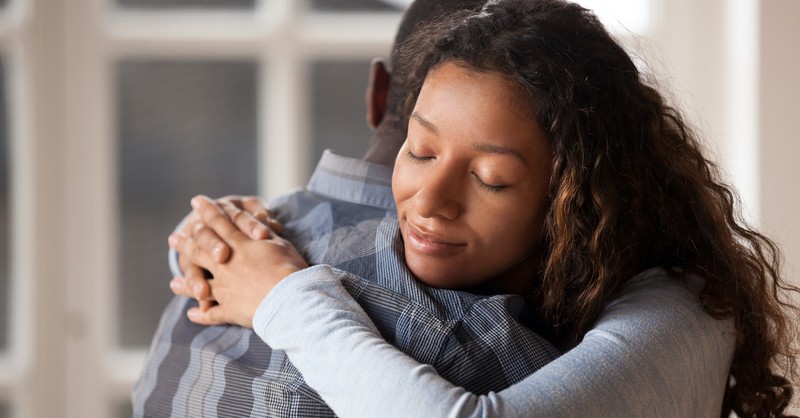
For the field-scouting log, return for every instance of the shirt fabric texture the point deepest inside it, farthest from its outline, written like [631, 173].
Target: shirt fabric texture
[654, 352]
[344, 222]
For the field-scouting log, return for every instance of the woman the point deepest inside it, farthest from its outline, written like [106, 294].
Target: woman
[602, 209]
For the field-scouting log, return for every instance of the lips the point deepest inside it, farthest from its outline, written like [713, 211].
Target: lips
[431, 244]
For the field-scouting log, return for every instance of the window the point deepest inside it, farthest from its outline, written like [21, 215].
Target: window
[188, 97]
[183, 128]
[114, 112]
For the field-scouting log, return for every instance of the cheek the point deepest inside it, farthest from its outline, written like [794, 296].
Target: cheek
[517, 236]
[403, 181]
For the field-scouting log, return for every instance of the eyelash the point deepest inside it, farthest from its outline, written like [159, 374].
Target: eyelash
[416, 158]
[488, 187]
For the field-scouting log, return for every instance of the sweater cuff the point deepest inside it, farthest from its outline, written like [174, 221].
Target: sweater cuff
[270, 306]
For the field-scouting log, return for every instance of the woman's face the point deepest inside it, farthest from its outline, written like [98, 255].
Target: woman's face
[471, 181]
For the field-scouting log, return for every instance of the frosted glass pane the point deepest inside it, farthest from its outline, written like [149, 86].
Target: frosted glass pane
[184, 128]
[359, 5]
[339, 113]
[188, 4]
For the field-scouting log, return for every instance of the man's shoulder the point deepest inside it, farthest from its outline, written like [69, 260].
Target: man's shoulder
[352, 180]
[301, 202]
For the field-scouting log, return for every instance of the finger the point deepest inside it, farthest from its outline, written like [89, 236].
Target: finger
[187, 225]
[187, 247]
[179, 287]
[195, 288]
[250, 204]
[247, 223]
[211, 316]
[183, 286]
[275, 225]
[205, 305]
[200, 288]
[232, 199]
[256, 207]
[196, 281]
[215, 218]
[208, 240]
[188, 269]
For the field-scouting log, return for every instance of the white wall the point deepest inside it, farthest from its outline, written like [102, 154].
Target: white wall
[734, 65]
[779, 115]
[778, 138]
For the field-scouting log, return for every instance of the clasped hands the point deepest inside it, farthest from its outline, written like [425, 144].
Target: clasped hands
[237, 242]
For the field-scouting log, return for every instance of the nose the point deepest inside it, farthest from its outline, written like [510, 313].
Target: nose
[439, 194]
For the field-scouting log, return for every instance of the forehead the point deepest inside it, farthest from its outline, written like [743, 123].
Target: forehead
[459, 72]
[476, 106]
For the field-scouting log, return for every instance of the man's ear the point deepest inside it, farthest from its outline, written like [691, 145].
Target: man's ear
[377, 96]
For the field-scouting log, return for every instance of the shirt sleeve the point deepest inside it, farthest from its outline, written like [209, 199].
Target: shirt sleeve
[654, 352]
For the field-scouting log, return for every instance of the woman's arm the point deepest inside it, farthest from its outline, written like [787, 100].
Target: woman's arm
[654, 352]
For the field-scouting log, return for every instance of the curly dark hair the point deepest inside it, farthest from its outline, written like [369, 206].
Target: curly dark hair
[630, 189]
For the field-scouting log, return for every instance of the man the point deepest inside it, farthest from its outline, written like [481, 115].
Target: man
[340, 220]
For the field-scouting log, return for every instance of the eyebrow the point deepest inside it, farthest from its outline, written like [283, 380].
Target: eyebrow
[482, 147]
[426, 123]
[494, 149]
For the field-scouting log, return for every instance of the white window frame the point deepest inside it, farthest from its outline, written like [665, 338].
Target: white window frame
[281, 37]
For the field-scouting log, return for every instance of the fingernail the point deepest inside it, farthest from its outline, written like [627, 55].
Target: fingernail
[197, 288]
[195, 201]
[217, 252]
[259, 233]
[175, 284]
[193, 314]
[172, 239]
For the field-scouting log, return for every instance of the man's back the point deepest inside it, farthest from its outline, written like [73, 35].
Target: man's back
[346, 220]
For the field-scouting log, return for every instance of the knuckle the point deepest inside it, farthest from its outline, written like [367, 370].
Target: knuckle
[206, 239]
[194, 252]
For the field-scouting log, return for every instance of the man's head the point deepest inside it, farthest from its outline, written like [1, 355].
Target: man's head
[386, 92]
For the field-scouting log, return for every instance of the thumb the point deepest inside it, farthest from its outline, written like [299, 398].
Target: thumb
[211, 316]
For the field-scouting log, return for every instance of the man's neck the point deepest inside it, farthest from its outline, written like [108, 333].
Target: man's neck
[386, 142]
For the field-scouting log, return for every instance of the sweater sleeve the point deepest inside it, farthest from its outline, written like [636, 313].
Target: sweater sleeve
[172, 255]
[654, 352]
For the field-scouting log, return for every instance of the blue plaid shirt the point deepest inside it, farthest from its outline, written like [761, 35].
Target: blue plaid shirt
[346, 219]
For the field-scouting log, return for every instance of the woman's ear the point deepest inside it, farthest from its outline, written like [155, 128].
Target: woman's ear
[377, 95]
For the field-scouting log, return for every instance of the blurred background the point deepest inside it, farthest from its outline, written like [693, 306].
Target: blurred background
[113, 113]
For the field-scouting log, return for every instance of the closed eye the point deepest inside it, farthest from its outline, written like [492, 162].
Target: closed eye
[494, 188]
[416, 158]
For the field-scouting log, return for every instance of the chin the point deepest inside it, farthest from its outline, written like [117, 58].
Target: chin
[442, 277]
[435, 282]
[427, 274]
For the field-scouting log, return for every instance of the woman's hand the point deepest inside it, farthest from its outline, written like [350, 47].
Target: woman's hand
[256, 219]
[253, 268]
